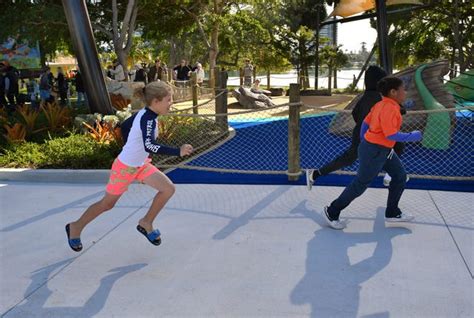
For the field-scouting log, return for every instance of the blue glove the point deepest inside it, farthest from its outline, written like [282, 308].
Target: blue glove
[406, 137]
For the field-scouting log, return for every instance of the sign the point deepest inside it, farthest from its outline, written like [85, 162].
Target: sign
[20, 55]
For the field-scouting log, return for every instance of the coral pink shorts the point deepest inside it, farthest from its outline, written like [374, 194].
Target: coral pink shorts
[122, 175]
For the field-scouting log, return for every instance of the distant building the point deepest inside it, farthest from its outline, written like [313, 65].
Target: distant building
[329, 31]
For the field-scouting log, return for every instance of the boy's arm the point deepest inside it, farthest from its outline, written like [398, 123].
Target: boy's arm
[148, 126]
[363, 129]
[399, 136]
[390, 125]
[365, 125]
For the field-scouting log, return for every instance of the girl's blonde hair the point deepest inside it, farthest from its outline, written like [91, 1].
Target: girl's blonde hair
[158, 90]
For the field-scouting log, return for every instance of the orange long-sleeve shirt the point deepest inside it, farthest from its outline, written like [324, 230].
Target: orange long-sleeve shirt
[384, 120]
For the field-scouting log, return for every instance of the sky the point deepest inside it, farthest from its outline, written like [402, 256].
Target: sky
[352, 34]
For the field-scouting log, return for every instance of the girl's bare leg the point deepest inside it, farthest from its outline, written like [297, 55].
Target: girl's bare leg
[96, 209]
[166, 189]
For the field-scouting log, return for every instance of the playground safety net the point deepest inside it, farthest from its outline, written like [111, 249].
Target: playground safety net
[256, 140]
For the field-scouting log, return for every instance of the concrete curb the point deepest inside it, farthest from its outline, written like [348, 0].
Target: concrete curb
[55, 175]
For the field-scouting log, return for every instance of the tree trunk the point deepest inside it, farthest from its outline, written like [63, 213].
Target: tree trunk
[122, 58]
[335, 78]
[458, 37]
[330, 79]
[316, 56]
[213, 51]
[173, 58]
[304, 65]
[122, 37]
[268, 79]
[214, 44]
[306, 82]
[452, 72]
[42, 56]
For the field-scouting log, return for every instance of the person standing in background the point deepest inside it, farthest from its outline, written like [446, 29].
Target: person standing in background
[62, 86]
[248, 73]
[81, 92]
[157, 72]
[140, 74]
[11, 84]
[3, 99]
[182, 71]
[32, 89]
[117, 71]
[45, 86]
[200, 74]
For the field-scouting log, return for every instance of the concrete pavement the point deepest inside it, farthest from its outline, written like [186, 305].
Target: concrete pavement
[235, 251]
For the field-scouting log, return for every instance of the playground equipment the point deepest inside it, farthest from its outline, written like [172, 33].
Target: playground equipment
[437, 129]
[462, 87]
[425, 91]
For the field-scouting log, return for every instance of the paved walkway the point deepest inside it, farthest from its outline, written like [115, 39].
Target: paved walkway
[235, 251]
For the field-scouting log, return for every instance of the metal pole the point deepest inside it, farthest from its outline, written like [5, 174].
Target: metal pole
[382, 31]
[87, 56]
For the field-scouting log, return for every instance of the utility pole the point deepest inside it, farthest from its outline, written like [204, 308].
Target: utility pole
[382, 31]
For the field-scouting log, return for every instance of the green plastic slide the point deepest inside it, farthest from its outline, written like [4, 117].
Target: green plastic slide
[462, 86]
[437, 133]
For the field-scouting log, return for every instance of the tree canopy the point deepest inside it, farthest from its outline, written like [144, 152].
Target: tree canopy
[272, 33]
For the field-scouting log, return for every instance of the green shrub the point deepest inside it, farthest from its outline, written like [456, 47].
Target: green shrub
[78, 152]
[72, 152]
[22, 155]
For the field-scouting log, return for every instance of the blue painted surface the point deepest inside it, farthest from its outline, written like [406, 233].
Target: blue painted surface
[262, 145]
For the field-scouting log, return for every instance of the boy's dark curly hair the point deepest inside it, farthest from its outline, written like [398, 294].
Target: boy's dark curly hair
[388, 83]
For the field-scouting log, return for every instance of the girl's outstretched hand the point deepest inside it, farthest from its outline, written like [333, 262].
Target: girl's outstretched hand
[186, 150]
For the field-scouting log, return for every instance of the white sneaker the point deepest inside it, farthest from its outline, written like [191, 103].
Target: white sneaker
[402, 217]
[309, 179]
[335, 224]
[387, 179]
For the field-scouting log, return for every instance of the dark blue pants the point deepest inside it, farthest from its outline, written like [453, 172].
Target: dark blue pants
[373, 159]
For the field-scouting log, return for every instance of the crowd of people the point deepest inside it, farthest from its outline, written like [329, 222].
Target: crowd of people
[9, 88]
[47, 87]
[60, 86]
[157, 71]
[39, 89]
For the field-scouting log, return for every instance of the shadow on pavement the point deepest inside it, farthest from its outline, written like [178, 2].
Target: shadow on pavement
[332, 284]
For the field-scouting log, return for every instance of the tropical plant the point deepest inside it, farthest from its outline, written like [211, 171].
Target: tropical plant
[29, 116]
[168, 126]
[119, 102]
[3, 116]
[15, 133]
[58, 117]
[104, 133]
